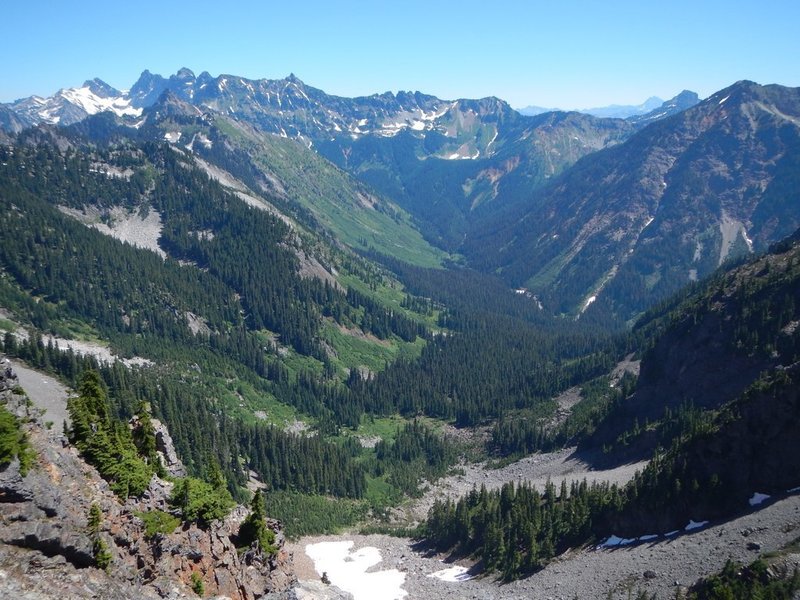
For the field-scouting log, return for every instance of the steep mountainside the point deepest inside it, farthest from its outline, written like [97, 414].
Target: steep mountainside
[286, 174]
[48, 539]
[632, 224]
[711, 347]
[214, 291]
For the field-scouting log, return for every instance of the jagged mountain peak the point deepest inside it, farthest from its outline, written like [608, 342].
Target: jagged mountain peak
[170, 104]
[685, 95]
[485, 105]
[686, 99]
[292, 78]
[100, 88]
[740, 90]
[185, 74]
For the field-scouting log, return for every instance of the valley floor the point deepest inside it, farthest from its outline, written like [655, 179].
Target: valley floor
[670, 562]
[536, 469]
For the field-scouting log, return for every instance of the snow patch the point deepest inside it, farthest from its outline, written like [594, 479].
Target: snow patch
[747, 239]
[459, 156]
[615, 541]
[348, 570]
[695, 525]
[725, 98]
[172, 136]
[489, 145]
[452, 574]
[757, 498]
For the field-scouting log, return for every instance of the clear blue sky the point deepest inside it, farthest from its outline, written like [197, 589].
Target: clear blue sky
[566, 54]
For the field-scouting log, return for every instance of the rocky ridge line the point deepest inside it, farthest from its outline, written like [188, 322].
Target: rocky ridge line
[47, 549]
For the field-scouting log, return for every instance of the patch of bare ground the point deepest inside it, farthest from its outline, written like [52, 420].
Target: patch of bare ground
[311, 267]
[565, 401]
[85, 348]
[46, 393]
[361, 335]
[299, 428]
[536, 469]
[626, 366]
[196, 323]
[140, 229]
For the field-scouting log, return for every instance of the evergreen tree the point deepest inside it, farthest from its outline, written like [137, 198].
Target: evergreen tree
[254, 527]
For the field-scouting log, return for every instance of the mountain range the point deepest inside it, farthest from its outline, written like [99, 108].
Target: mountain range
[614, 111]
[575, 207]
[633, 223]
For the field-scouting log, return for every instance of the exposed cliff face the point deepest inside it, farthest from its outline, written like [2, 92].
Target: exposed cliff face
[47, 548]
[752, 448]
[714, 345]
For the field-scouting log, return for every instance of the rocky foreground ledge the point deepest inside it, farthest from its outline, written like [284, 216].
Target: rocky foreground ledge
[47, 549]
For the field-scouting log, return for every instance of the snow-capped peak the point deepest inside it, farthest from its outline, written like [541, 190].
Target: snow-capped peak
[71, 105]
[92, 104]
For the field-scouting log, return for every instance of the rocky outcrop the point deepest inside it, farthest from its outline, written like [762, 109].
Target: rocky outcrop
[165, 448]
[45, 533]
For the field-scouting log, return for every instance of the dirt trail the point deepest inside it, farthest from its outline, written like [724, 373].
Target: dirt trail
[45, 392]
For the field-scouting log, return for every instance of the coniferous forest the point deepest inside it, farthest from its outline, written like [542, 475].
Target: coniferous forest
[344, 381]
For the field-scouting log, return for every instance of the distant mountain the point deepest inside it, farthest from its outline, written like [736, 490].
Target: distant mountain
[629, 225]
[446, 195]
[613, 111]
[532, 111]
[72, 105]
[623, 111]
[442, 160]
[679, 103]
[10, 121]
[451, 164]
